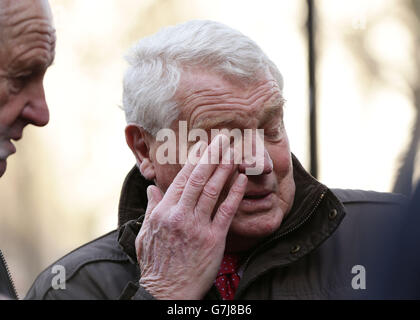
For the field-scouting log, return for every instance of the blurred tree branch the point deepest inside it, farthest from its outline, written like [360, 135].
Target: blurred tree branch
[375, 71]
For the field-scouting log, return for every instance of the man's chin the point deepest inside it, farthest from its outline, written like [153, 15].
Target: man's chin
[248, 232]
[3, 165]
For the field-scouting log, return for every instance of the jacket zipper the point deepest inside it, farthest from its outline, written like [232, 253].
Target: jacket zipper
[3, 260]
[287, 231]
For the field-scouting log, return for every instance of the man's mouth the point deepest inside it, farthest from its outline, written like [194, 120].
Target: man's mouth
[256, 194]
[6, 149]
[257, 201]
[16, 136]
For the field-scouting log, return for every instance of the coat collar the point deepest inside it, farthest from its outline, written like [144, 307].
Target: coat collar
[133, 198]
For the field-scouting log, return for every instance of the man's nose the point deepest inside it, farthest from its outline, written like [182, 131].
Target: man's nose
[36, 109]
[258, 160]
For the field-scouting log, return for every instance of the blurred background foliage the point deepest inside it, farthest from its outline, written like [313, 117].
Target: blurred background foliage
[62, 187]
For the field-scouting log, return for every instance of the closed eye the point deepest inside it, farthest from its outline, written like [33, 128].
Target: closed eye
[18, 82]
[274, 130]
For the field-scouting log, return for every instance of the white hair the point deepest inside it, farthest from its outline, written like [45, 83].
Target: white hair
[156, 63]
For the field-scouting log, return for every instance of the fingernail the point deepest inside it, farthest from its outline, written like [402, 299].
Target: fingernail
[242, 179]
[149, 193]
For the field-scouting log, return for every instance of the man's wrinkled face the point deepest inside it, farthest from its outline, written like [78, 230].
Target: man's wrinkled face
[209, 102]
[27, 45]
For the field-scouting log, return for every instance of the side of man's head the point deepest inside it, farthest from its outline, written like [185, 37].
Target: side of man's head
[211, 77]
[27, 49]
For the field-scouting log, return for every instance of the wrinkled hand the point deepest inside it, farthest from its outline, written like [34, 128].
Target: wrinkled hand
[180, 245]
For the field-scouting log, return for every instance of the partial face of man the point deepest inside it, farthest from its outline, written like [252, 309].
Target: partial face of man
[210, 102]
[27, 45]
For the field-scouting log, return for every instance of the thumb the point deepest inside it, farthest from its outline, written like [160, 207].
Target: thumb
[154, 196]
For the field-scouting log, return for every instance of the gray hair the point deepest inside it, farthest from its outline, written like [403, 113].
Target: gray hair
[156, 63]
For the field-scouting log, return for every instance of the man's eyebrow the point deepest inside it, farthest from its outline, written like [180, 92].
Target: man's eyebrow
[35, 66]
[210, 123]
[272, 112]
[269, 113]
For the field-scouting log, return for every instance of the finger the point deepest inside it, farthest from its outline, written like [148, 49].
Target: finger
[154, 196]
[203, 170]
[174, 192]
[212, 190]
[227, 209]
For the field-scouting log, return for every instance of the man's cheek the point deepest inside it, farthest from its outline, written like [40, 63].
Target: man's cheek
[282, 163]
[166, 175]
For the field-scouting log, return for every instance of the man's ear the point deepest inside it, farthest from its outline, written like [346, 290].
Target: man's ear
[139, 142]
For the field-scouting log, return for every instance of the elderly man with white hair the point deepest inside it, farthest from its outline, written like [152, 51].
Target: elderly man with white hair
[27, 49]
[195, 222]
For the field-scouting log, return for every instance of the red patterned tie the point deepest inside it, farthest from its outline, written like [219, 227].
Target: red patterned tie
[227, 279]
